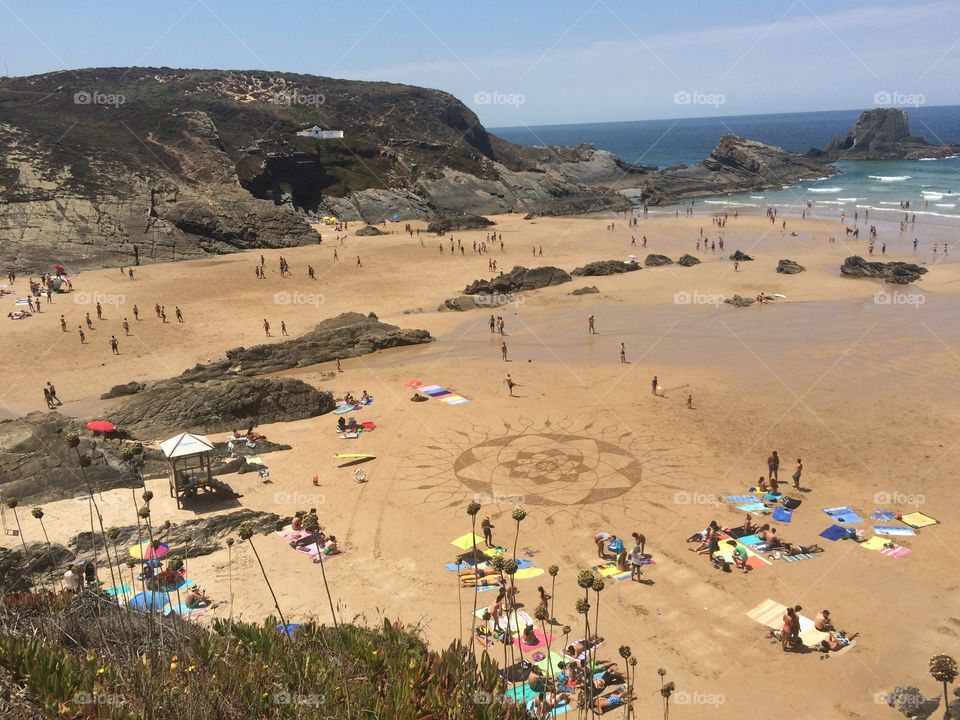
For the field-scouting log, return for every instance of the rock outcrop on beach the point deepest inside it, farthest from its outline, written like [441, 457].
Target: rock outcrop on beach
[175, 406]
[369, 230]
[740, 256]
[739, 301]
[459, 221]
[520, 279]
[898, 273]
[881, 134]
[344, 336]
[605, 267]
[121, 166]
[688, 261]
[123, 390]
[587, 290]
[37, 466]
[653, 260]
[735, 165]
[790, 267]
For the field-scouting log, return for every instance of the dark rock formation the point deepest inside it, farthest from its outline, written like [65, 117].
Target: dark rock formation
[209, 161]
[898, 273]
[740, 256]
[462, 221]
[789, 267]
[36, 465]
[520, 279]
[605, 267]
[459, 303]
[130, 388]
[881, 134]
[369, 230]
[215, 405]
[39, 565]
[191, 538]
[735, 165]
[344, 336]
[657, 260]
[588, 290]
[738, 301]
[688, 261]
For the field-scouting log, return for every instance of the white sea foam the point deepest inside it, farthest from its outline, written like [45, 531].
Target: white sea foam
[758, 197]
[945, 205]
[932, 196]
[846, 200]
[890, 178]
[825, 190]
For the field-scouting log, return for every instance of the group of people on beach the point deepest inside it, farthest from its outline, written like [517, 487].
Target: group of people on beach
[611, 547]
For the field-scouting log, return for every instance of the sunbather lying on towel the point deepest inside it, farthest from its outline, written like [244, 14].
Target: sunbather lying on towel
[836, 641]
[802, 549]
[197, 597]
[702, 535]
[317, 538]
[548, 702]
[581, 646]
[608, 702]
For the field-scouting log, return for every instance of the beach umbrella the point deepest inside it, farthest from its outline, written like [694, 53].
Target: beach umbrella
[413, 383]
[101, 426]
[148, 601]
[145, 551]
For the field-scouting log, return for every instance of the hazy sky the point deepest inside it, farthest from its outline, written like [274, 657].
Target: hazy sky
[531, 61]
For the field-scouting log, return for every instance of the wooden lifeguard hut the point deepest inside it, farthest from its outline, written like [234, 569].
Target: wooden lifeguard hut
[189, 458]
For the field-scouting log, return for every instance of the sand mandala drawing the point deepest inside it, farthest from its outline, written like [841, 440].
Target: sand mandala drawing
[561, 466]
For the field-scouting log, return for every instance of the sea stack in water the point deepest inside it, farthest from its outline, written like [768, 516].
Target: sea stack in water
[881, 134]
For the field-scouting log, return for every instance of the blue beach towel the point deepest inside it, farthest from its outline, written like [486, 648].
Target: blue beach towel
[740, 498]
[753, 507]
[883, 515]
[835, 532]
[783, 515]
[892, 530]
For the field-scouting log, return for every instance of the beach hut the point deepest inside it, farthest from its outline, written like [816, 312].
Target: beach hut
[189, 458]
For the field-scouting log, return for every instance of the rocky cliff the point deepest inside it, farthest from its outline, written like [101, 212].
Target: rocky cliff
[735, 165]
[881, 134]
[115, 166]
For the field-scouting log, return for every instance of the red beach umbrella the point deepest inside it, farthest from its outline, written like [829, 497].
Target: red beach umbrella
[413, 383]
[101, 426]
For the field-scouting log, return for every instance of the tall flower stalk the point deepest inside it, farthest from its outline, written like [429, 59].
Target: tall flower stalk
[472, 510]
[12, 503]
[943, 668]
[230, 542]
[312, 525]
[245, 531]
[518, 515]
[553, 570]
[37, 513]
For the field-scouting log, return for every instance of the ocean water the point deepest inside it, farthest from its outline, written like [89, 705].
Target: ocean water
[932, 187]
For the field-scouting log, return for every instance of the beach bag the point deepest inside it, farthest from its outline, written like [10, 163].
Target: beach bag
[790, 503]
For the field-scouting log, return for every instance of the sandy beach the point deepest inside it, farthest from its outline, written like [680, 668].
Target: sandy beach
[855, 377]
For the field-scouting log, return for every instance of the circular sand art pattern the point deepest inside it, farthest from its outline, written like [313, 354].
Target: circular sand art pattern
[566, 466]
[548, 468]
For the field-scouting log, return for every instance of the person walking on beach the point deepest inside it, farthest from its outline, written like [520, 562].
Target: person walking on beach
[511, 385]
[126, 327]
[797, 473]
[53, 393]
[99, 311]
[83, 338]
[179, 315]
[156, 309]
[487, 529]
[136, 313]
[773, 466]
[114, 345]
[335, 256]
[283, 328]
[163, 313]
[310, 273]
[359, 264]
[47, 400]
[591, 326]
[623, 353]
[266, 327]
[89, 322]
[493, 324]
[63, 324]
[503, 350]
[654, 384]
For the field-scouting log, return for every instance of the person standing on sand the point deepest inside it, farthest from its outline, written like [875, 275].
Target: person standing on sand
[509, 382]
[83, 338]
[503, 350]
[114, 345]
[283, 328]
[99, 311]
[53, 393]
[266, 327]
[310, 273]
[636, 562]
[689, 402]
[623, 353]
[63, 324]
[89, 322]
[487, 529]
[359, 264]
[156, 309]
[47, 400]
[163, 313]
[654, 384]
[126, 327]
[773, 466]
[797, 473]
[335, 256]
[591, 326]
[136, 313]
[493, 324]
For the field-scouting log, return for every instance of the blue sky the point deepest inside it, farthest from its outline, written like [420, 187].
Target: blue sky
[530, 61]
